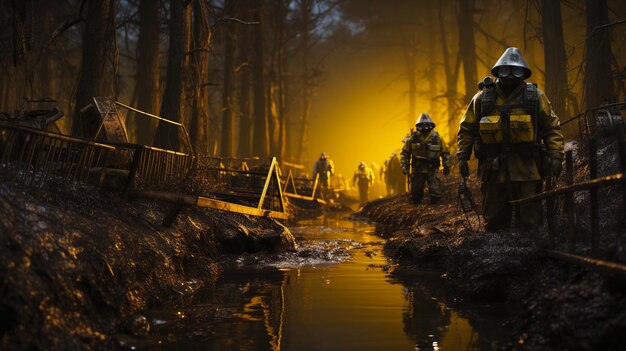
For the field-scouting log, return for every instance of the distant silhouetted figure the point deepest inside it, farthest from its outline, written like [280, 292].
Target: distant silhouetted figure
[363, 179]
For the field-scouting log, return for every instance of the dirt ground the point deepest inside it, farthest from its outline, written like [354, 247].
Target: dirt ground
[78, 264]
[564, 307]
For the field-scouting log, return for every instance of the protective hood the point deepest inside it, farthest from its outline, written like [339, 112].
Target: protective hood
[425, 119]
[512, 57]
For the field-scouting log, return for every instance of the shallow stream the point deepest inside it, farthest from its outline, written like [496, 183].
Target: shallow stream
[335, 293]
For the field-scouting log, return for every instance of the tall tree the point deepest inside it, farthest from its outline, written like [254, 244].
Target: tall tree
[244, 79]
[411, 72]
[554, 53]
[450, 68]
[260, 139]
[46, 65]
[279, 63]
[147, 83]
[199, 72]
[467, 46]
[228, 94]
[172, 106]
[304, 24]
[95, 78]
[598, 80]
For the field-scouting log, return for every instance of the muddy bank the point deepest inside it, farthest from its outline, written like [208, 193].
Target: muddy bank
[564, 307]
[78, 264]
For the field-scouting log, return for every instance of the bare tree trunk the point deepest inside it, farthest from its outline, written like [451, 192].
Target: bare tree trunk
[554, 53]
[273, 124]
[227, 148]
[147, 77]
[167, 135]
[199, 71]
[276, 86]
[94, 77]
[598, 79]
[306, 90]
[432, 63]
[412, 76]
[260, 141]
[282, 86]
[451, 72]
[467, 46]
[45, 82]
[244, 85]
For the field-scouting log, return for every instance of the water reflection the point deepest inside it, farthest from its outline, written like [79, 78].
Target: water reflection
[341, 300]
[425, 320]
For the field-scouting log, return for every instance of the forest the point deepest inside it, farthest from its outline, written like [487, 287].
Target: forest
[156, 188]
[290, 78]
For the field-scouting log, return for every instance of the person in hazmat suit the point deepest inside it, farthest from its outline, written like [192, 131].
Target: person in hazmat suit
[363, 179]
[423, 153]
[325, 168]
[383, 177]
[517, 139]
[394, 176]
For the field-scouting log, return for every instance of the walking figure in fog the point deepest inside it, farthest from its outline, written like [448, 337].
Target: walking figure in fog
[363, 179]
[423, 153]
[325, 168]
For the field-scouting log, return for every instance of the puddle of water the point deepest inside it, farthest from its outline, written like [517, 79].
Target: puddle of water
[333, 294]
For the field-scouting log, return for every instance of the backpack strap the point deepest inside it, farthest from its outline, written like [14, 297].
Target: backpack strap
[434, 139]
[531, 98]
[488, 99]
[531, 105]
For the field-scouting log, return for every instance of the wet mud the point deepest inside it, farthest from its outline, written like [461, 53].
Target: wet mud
[78, 263]
[561, 306]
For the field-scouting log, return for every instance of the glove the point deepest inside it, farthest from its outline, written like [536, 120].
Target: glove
[446, 171]
[464, 168]
[556, 167]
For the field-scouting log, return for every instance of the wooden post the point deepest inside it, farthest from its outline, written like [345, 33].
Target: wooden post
[132, 173]
[550, 206]
[593, 197]
[621, 147]
[569, 201]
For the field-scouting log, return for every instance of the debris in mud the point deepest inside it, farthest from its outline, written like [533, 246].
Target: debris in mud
[77, 263]
[308, 253]
[370, 254]
[384, 267]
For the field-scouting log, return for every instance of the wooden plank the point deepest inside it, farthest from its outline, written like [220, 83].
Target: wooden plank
[147, 114]
[307, 198]
[587, 185]
[230, 207]
[206, 202]
[610, 268]
[267, 182]
[56, 136]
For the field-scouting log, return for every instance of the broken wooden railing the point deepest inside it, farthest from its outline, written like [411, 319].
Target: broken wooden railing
[34, 155]
[260, 194]
[602, 123]
[302, 188]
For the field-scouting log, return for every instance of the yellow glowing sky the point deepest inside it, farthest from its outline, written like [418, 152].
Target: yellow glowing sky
[361, 111]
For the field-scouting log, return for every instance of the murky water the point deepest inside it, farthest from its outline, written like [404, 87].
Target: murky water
[335, 293]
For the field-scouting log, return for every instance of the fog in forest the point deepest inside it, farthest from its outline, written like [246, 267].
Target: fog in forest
[291, 79]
